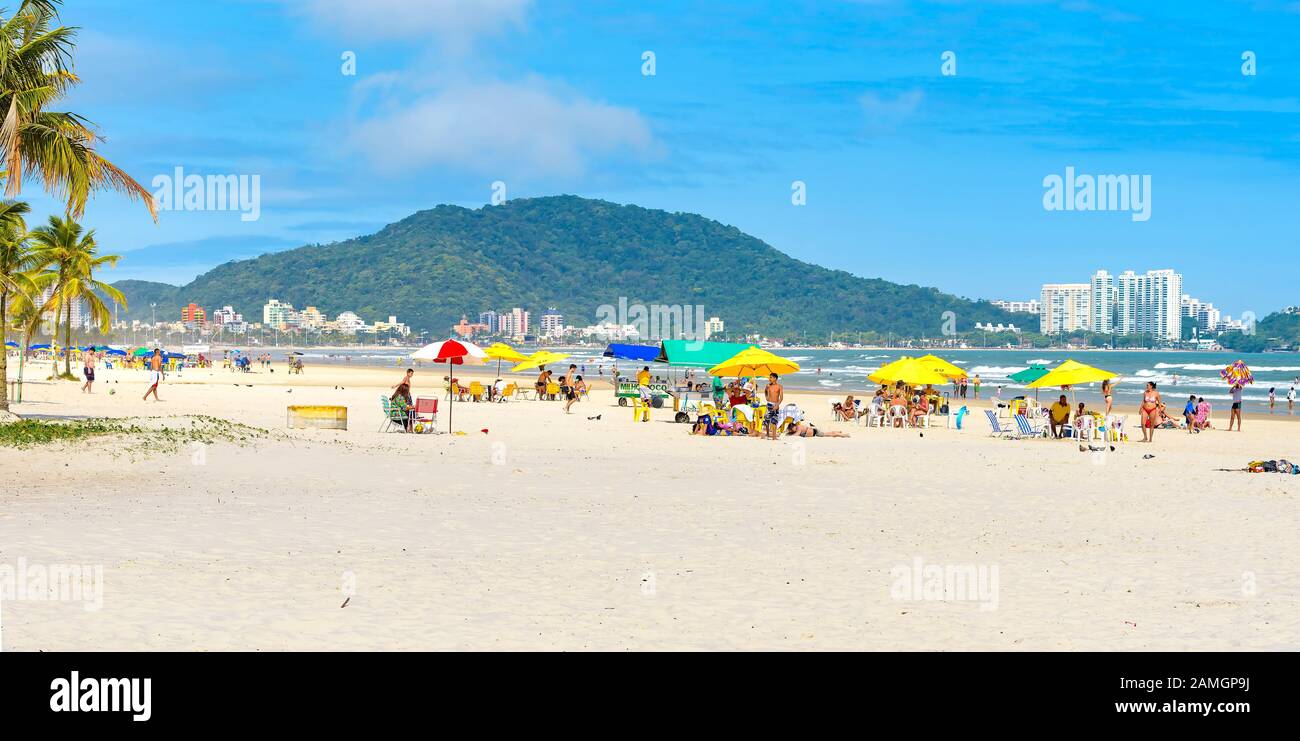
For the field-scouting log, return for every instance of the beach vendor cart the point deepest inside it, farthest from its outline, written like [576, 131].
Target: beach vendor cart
[626, 388]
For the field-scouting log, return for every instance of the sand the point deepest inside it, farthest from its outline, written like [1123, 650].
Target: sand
[554, 531]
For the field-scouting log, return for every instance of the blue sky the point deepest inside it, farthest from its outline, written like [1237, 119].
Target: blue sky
[911, 175]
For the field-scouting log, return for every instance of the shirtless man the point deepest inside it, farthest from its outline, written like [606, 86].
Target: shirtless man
[155, 375]
[774, 395]
[88, 370]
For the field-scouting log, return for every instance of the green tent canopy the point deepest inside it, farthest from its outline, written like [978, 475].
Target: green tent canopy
[696, 354]
[1029, 375]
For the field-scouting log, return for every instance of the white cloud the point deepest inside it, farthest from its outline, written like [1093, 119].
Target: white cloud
[455, 22]
[502, 129]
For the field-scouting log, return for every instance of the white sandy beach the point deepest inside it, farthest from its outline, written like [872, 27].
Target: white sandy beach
[553, 531]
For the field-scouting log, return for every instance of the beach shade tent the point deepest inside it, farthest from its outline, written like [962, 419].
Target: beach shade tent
[639, 353]
[451, 352]
[115, 351]
[911, 371]
[500, 351]
[11, 343]
[140, 352]
[1237, 374]
[1029, 375]
[697, 354]
[943, 366]
[539, 359]
[1071, 373]
[754, 361]
[38, 347]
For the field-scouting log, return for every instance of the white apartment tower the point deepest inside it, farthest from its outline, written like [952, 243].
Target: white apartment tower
[1104, 295]
[1150, 304]
[1065, 307]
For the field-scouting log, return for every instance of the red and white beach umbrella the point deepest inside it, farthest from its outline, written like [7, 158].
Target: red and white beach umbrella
[451, 352]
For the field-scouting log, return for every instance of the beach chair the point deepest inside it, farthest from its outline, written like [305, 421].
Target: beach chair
[552, 391]
[897, 413]
[476, 391]
[425, 413]
[997, 429]
[395, 416]
[640, 410]
[1027, 429]
[508, 392]
[523, 392]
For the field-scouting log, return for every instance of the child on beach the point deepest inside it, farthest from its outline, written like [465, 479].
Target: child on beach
[1272, 399]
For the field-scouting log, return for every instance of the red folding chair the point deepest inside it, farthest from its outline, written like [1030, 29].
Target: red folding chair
[426, 412]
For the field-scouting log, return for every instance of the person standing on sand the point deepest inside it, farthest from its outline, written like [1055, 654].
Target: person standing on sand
[976, 382]
[155, 375]
[774, 394]
[1149, 412]
[1236, 408]
[1108, 394]
[88, 370]
[576, 387]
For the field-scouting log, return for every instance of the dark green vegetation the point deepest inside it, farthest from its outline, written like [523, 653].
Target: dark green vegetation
[575, 254]
[156, 436]
[1274, 330]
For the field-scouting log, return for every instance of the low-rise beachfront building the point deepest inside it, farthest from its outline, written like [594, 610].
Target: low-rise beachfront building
[1021, 307]
[392, 325]
[311, 318]
[349, 323]
[713, 326]
[279, 315]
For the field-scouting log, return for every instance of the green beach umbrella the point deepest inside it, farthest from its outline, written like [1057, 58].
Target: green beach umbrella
[1029, 375]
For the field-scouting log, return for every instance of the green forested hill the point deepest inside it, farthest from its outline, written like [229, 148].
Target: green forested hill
[574, 254]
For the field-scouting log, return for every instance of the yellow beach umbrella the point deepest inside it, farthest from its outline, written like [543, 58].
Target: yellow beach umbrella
[538, 359]
[1071, 373]
[501, 351]
[943, 366]
[754, 361]
[911, 371]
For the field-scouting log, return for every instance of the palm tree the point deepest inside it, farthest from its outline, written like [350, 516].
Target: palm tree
[74, 256]
[16, 286]
[58, 148]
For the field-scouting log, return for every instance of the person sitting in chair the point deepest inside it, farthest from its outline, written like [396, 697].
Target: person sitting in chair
[1058, 416]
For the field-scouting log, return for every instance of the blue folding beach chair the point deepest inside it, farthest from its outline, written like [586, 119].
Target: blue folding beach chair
[998, 429]
[1027, 428]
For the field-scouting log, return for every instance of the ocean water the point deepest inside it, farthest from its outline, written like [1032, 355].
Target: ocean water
[1176, 374]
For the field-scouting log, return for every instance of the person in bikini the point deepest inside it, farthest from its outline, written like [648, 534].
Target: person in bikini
[576, 387]
[1150, 412]
[807, 429]
[1108, 394]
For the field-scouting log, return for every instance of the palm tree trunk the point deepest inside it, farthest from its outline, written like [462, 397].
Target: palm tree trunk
[67, 342]
[4, 352]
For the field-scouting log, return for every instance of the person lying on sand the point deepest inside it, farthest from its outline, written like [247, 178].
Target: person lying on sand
[807, 429]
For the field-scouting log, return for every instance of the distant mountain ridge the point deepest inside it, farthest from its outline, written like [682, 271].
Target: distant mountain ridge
[574, 254]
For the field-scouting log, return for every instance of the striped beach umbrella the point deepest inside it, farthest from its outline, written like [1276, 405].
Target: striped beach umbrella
[1237, 374]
